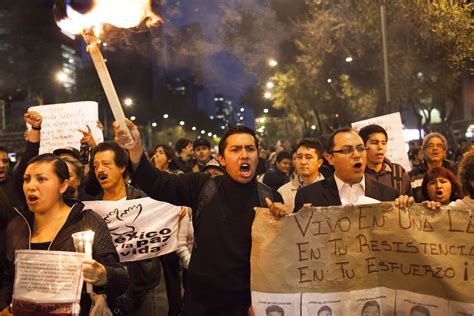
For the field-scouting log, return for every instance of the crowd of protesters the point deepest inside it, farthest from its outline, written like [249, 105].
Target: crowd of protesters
[40, 204]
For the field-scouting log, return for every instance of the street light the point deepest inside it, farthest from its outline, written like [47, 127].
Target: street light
[209, 134]
[270, 85]
[203, 131]
[265, 110]
[193, 128]
[348, 59]
[132, 118]
[181, 123]
[272, 62]
[165, 116]
[128, 102]
[329, 80]
[61, 76]
[154, 124]
[267, 95]
[242, 109]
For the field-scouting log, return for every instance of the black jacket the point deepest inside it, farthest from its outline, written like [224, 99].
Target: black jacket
[19, 237]
[219, 271]
[325, 193]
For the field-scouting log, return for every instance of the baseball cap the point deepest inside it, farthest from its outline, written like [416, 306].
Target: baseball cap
[71, 151]
[201, 142]
[213, 163]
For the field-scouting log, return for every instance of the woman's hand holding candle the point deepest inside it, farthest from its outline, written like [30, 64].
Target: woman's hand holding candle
[94, 272]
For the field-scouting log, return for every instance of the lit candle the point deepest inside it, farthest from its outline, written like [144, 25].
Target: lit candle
[83, 242]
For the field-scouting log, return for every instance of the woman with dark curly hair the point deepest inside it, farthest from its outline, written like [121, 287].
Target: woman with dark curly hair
[440, 185]
[466, 177]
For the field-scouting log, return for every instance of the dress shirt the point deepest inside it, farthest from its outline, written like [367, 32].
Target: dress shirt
[349, 194]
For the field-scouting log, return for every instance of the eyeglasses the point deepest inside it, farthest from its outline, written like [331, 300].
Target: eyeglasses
[347, 150]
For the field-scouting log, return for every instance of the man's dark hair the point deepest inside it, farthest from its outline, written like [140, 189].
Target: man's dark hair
[120, 157]
[330, 141]
[420, 309]
[325, 308]
[181, 144]
[283, 155]
[370, 304]
[275, 308]
[311, 143]
[368, 130]
[237, 129]
[466, 174]
[4, 149]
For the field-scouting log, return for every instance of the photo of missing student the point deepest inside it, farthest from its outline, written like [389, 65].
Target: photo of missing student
[327, 304]
[272, 304]
[414, 304]
[460, 309]
[378, 301]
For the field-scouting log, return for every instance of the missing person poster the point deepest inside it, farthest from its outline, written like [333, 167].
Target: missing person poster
[140, 228]
[47, 282]
[366, 260]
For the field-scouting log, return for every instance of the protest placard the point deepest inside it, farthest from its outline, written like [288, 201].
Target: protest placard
[377, 256]
[140, 228]
[47, 282]
[62, 121]
[396, 148]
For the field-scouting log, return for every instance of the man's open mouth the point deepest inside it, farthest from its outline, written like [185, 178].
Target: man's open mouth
[102, 177]
[245, 169]
[358, 165]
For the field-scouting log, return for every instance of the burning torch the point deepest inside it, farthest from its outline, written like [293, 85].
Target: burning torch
[120, 13]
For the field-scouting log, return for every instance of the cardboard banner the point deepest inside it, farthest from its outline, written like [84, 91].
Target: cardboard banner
[140, 228]
[62, 121]
[47, 282]
[378, 256]
[396, 148]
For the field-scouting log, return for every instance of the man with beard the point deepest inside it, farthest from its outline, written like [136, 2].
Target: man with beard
[108, 164]
[347, 153]
[223, 213]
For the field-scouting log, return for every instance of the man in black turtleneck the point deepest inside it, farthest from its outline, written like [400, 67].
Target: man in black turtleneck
[219, 271]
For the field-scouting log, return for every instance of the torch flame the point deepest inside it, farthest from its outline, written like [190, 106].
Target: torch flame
[120, 13]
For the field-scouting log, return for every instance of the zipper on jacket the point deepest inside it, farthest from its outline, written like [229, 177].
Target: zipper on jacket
[27, 224]
[29, 228]
[49, 247]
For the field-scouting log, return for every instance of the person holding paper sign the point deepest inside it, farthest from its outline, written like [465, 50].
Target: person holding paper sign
[223, 213]
[109, 163]
[347, 153]
[434, 148]
[49, 223]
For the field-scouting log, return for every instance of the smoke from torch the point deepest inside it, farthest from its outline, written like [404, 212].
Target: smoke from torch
[120, 13]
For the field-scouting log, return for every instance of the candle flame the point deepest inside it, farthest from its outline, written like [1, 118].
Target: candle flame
[120, 13]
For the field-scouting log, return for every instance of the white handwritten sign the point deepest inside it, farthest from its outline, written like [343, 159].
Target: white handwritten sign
[392, 123]
[61, 123]
[140, 228]
[47, 281]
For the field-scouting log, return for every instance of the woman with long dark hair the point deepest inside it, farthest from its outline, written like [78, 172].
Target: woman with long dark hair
[48, 224]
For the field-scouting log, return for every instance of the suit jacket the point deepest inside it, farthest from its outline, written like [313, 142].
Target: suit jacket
[325, 193]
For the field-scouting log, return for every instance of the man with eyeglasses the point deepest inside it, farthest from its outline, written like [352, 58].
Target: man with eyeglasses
[347, 153]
